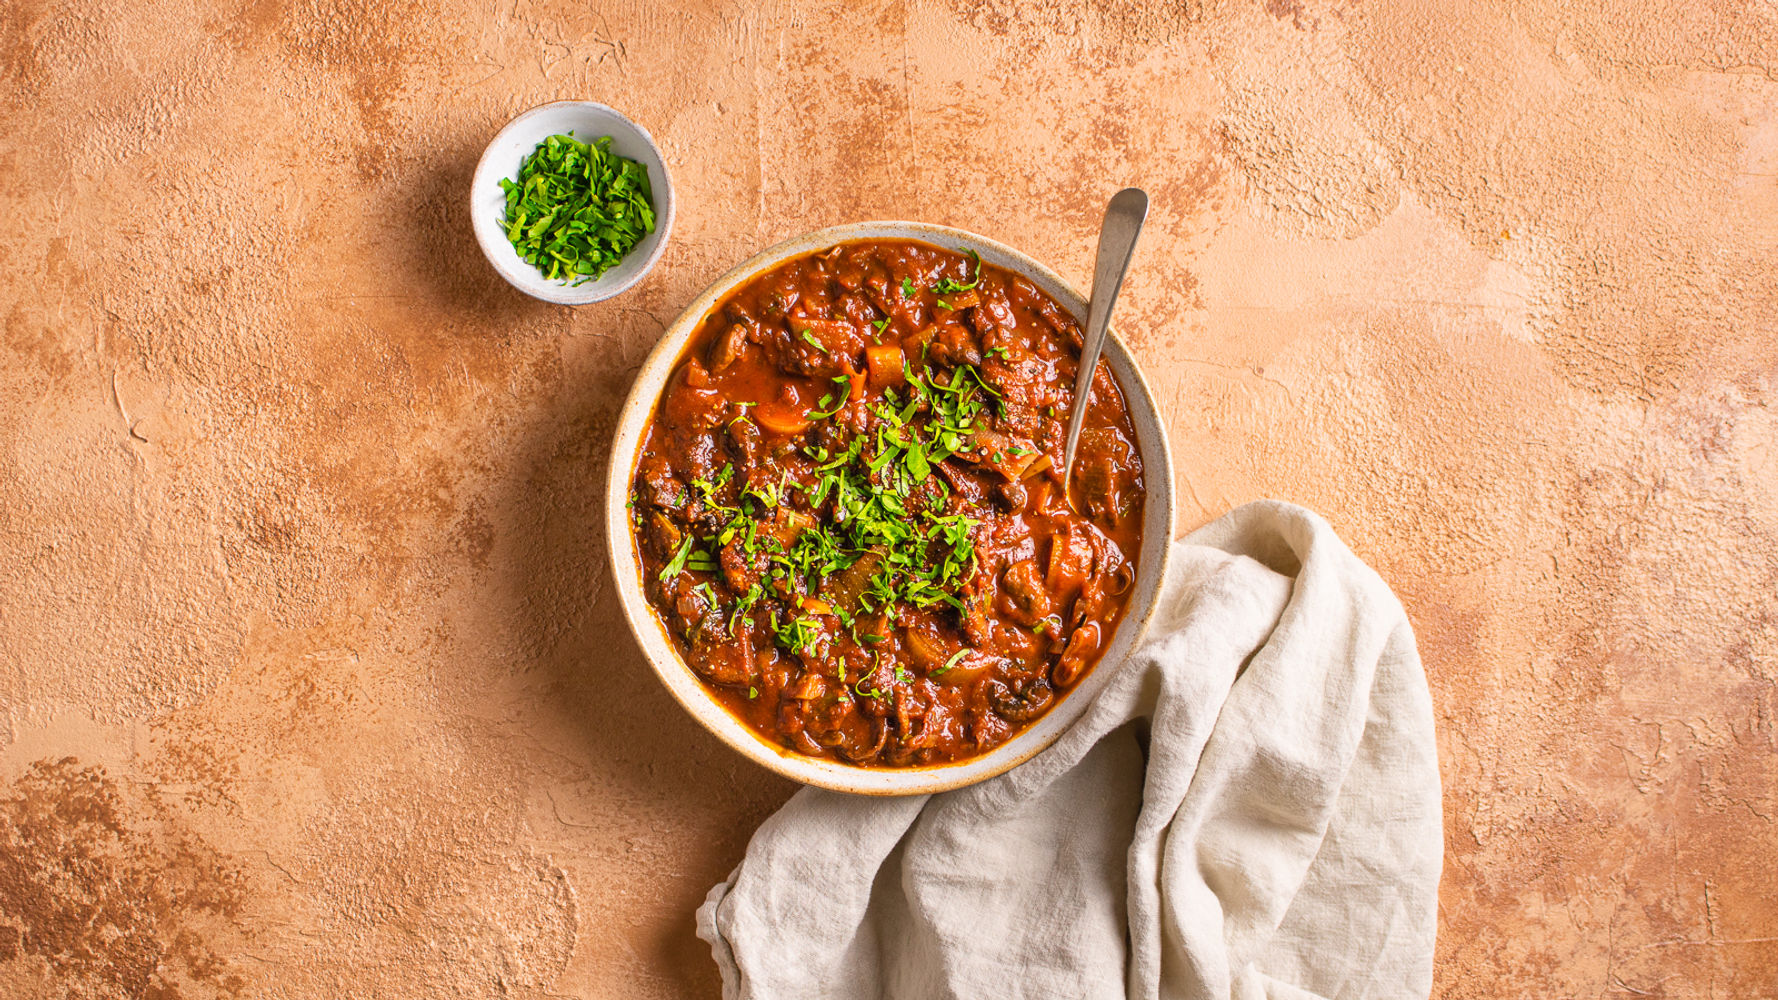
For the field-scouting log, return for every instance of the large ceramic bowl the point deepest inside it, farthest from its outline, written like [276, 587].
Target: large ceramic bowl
[651, 633]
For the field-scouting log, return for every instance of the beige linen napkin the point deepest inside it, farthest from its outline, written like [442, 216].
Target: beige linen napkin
[1250, 809]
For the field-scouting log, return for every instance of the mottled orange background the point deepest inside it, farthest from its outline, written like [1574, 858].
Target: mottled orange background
[312, 682]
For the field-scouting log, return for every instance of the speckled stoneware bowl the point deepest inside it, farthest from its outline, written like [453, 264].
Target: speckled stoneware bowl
[1157, 529]
[588, 120]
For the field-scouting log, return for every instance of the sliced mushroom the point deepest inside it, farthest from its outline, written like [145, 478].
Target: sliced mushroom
[1104, 475]
[746, 442]
[1082, 645]
[858, 753]
[1010, 456]
[1027, 599]
[1026, 702]
[1011, 496]
[725, 348]
[809, 687]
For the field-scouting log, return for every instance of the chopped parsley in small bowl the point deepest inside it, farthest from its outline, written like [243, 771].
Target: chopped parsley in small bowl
[571, 202]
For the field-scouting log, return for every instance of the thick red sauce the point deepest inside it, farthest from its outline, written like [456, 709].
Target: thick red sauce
[848, 505]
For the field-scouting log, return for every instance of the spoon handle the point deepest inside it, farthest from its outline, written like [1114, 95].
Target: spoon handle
[1117, 243]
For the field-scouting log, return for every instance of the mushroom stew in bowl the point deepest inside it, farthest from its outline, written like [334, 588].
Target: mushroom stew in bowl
[848, 512]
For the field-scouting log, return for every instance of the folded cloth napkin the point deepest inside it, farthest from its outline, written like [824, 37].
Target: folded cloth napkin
[1249, 809]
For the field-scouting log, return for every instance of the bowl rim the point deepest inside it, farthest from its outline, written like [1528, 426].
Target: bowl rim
[650, 632]
[525, 277]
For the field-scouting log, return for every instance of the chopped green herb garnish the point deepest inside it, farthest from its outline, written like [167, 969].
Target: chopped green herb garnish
[821, 411]
[871, 692]
[870, 506]
[810, 337]
[577, 208]
[946, 286]
[799, 635]
[745, 602]
[881, 324]
[941, 671]
[907, 288]
[752, 692]
[917, 463]
[676, 564]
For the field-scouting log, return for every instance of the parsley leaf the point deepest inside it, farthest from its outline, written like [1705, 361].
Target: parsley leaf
[941, 671]
[799, 635]
[844, 394]
[576, 208]
[917, 464]
[946, 286]
[676, 564]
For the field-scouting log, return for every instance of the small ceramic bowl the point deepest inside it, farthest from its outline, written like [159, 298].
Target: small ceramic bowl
[651, 633]
[588, 121]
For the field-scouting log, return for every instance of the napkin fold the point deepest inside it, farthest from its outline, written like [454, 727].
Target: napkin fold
[1251, 808]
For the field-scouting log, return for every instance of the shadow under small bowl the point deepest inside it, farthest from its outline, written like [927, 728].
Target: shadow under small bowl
[588, 121]
[663, 655]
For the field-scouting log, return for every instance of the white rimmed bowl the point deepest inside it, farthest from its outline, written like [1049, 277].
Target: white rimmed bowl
[657, 644]
[588, 120]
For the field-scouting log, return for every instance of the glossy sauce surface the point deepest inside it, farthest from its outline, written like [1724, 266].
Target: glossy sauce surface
[848, 507]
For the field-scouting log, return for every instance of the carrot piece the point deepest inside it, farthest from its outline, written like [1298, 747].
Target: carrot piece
[883, 361]
[780, 421]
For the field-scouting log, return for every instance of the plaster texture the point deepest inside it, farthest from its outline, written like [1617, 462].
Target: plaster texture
[312, 681]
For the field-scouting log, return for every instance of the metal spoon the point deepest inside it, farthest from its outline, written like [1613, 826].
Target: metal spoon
[1117, 243]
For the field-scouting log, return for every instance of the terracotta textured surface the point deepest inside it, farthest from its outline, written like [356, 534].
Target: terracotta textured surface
[311, 679]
